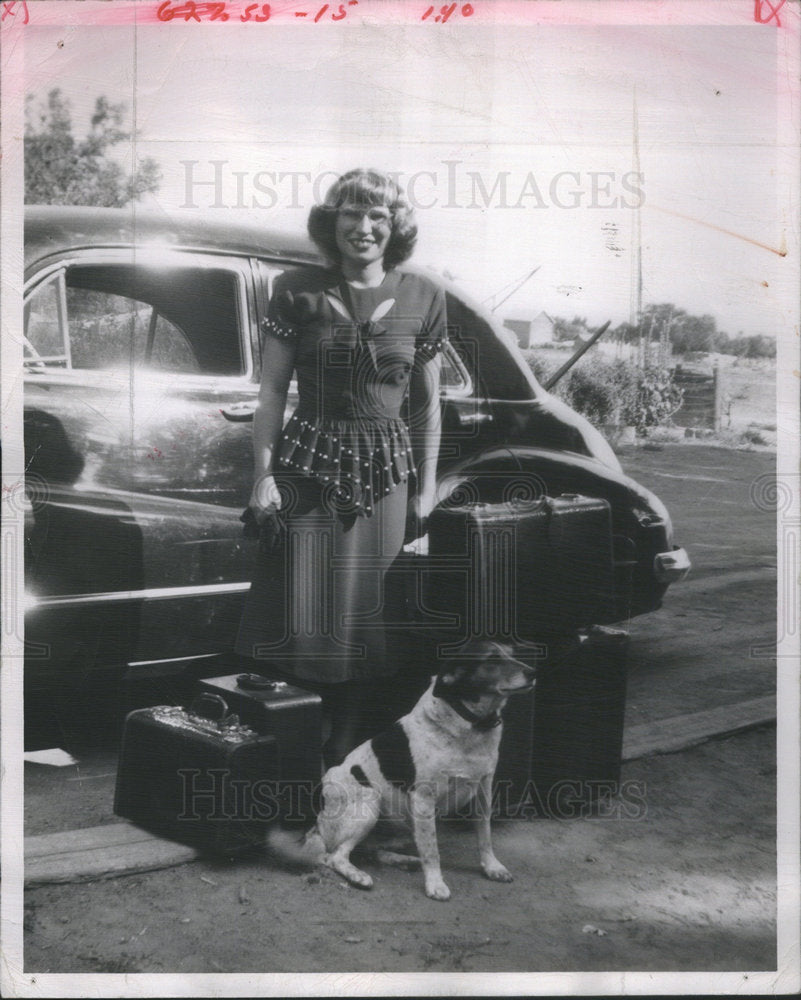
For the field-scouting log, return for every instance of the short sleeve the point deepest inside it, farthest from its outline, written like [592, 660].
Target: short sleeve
[280, 319]
[434, 334]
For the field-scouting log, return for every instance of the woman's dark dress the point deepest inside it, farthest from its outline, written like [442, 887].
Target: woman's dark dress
[315, 606]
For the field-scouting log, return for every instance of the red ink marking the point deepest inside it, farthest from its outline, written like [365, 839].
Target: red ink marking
[446, 11]
[11, 8]
[262, 17]
[759, 10]
[191, 11]
[336, 15]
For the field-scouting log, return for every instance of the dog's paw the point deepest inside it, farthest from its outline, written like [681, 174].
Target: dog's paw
[497, 872]
[438, 890]
[360, 879]
[348, 871]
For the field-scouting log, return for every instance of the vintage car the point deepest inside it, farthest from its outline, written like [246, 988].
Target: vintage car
[142, 358]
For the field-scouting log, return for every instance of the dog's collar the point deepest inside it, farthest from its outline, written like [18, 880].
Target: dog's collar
[480, 722]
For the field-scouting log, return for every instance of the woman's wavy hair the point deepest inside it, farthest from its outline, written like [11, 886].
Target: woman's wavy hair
[368, 188]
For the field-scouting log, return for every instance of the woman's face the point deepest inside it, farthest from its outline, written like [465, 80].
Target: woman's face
[362, 232]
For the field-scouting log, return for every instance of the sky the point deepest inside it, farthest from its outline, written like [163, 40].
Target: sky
[519, 143]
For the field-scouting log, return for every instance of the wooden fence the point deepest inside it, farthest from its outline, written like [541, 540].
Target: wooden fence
[702, 405]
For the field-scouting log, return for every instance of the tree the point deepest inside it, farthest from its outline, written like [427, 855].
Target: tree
[62, 170]
[686, 333]
[564, 330]
[756, 346]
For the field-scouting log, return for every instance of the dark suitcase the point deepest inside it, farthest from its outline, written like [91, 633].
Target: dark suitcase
[291, 715]
[197, 775]
[561, 747]
[521, 571]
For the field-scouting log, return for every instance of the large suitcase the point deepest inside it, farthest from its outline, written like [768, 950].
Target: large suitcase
[521, 571]
[561, 747]
[291, 715]
[197, 775]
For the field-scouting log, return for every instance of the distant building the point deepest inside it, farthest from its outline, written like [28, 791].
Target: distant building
[530, 332]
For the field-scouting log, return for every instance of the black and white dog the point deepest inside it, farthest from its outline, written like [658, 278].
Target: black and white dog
[442, 754]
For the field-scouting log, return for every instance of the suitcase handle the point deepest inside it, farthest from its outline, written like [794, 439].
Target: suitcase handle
[258, 682]
[222, 717]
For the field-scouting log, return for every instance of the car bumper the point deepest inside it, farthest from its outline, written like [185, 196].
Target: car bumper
[670, 567]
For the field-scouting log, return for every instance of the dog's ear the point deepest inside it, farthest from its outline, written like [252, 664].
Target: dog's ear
[457, 673]
[500, 649]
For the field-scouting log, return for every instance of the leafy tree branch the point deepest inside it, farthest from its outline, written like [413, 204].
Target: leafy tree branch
[61, 169]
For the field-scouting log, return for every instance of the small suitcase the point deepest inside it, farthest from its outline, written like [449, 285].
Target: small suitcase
[561, 747]
[197, 775]
[291, 715]
[521, 571]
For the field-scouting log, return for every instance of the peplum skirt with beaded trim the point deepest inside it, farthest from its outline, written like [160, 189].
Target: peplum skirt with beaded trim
[367, 458]
[315, 608]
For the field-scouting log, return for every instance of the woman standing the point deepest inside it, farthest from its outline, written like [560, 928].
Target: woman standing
[364, 339]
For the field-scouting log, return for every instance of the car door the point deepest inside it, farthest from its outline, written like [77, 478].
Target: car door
[140, 386]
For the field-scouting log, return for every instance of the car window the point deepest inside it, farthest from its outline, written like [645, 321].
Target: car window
[454, 379]
[111, 331]
[108, 315]
[45, 339]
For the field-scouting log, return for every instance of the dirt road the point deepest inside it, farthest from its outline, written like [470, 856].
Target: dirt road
[686, 882]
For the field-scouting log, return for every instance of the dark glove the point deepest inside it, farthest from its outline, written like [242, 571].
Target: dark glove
[270, 531]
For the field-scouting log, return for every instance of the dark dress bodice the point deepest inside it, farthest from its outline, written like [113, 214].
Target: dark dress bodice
[356, 352]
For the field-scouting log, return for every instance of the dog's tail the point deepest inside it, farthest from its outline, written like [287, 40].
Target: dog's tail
[294, 848]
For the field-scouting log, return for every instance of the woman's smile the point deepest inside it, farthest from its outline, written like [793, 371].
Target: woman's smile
[362, 234]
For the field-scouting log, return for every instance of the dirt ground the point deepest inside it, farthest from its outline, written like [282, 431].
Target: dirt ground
[687, 885]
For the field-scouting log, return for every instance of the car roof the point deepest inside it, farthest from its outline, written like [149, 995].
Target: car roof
[52, 229]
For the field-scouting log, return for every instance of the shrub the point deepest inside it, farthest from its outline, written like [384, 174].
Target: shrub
[616, 392]
[597, 391]
[655, 398]
[752, 436]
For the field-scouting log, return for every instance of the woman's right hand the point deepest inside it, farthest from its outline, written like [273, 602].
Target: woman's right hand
[265, 498]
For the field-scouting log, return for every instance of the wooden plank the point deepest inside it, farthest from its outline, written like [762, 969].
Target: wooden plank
[70, 841]
[683, 731]
[99, 852]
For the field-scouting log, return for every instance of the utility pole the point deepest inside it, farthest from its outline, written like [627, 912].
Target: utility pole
[635, 299]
